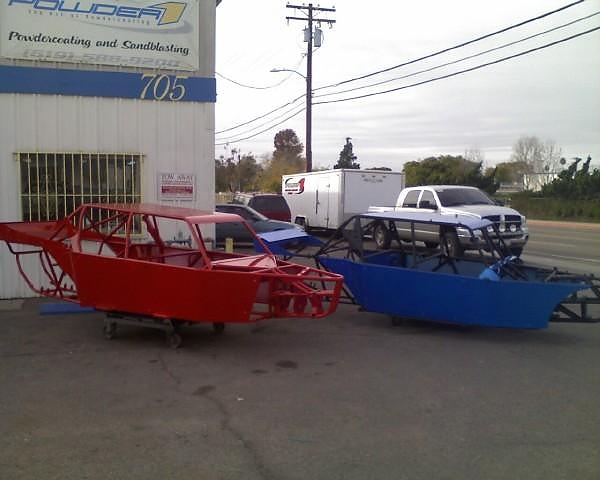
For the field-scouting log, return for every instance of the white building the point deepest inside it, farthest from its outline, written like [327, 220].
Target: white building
[103, 102]
[535, 181]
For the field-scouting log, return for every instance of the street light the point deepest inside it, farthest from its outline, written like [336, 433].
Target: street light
[308, 80]
[275, 70]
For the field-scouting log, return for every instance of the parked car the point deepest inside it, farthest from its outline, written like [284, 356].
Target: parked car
[270, 205]
[259, 222]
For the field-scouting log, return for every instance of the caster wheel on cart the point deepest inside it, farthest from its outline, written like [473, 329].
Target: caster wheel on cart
[218, 328]
[110, 330]
[174, 340]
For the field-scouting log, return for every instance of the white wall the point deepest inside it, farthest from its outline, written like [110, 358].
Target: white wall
[173, 136]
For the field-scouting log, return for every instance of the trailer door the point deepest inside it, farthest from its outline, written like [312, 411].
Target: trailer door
[322, 202]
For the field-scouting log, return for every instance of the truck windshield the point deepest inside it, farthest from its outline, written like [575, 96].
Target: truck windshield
[463, 196]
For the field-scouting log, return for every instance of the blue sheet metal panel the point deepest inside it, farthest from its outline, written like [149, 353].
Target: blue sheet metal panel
[450, 298]
[431, 217]
[279, 239]
[287, 235]
[88, 83]
[62, 308]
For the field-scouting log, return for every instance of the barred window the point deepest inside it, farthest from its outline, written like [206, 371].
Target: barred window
[55, 184]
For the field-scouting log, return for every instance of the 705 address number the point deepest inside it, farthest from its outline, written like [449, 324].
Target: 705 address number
[163, 87]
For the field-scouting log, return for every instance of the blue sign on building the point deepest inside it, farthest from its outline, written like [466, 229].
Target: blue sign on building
[88, 83]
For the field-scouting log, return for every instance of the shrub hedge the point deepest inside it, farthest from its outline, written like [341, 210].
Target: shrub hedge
[544, 208]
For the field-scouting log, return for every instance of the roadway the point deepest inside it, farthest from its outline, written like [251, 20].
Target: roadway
[568, 246]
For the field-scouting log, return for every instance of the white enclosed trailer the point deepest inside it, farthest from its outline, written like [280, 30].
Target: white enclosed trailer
[326, 198]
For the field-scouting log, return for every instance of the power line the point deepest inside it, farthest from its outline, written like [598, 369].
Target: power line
[253, 87]
[408, 63]
[259, 126]
[469, 57]
[239, 84]
[483, 37]
[262, 131]
[308, 34]
[510, 57]
[260, 116]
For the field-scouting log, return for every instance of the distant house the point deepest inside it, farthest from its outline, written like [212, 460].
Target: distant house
[510, 187]
[535, 181]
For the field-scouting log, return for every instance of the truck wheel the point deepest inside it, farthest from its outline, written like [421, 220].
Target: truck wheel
[516, 251]
[382, 236]
[452, 244]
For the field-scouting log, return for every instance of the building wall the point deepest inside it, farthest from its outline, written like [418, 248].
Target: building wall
[173, 136]
[535, 181]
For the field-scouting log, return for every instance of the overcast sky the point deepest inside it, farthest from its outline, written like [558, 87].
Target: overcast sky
[553, 93]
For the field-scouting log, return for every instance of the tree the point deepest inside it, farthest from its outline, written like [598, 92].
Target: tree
[540, 157]
[553, 160]
[528, 151]
[287, 158]
[575, 184]
[236, 173]
[273, 170]
[509, 172]
[449, 170]
[248, 173]
[474, 155]
[226, 176]
[287, 146]
[221, 182]
[347, 157]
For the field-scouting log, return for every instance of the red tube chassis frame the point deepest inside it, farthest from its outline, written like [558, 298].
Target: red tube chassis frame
[95, 257]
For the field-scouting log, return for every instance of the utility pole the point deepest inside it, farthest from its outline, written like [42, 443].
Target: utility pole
[308, 37]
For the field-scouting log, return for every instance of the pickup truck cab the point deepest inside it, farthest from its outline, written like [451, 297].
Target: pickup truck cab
[451, 200]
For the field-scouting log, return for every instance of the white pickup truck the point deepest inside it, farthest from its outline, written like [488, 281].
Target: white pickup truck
[451, 200]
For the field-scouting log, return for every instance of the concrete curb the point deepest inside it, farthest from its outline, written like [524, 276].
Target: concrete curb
[556, 223]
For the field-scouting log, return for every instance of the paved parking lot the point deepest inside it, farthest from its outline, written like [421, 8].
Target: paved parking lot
[347, 397]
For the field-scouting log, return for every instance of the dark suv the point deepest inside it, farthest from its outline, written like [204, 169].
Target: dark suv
[270, 205]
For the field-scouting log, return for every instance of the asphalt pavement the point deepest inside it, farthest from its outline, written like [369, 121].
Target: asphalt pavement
[345, 397]
[570, 246]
